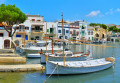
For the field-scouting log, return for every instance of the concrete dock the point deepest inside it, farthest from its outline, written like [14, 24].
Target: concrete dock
[21, 68]
[9, 55]
[13, 60]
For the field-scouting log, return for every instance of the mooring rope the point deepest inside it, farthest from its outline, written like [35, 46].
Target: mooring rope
[51, 74]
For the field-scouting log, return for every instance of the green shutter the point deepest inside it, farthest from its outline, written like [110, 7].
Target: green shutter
[47, 30]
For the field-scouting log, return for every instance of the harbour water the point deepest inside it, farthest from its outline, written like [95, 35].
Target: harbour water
[111, 75]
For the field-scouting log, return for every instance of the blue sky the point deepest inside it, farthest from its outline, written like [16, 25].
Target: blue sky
[97, 11]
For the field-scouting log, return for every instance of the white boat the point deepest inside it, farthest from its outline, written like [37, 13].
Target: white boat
[35, 55]
[78, 67]
[38, 46]
[69, 56]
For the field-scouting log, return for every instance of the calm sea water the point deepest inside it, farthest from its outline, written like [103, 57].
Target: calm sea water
[111, 75]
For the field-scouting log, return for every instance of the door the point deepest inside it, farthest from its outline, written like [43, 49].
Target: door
[26, 37]
[51, 30]
[6, 44]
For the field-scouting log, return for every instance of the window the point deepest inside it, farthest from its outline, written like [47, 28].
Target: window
[74, 31]
[47, 30]
[67, 31]
[33, 20]
[88, 32]
[1, 34]
[59, 31]
[83, 33]
[26, 28]
[83, 27]
[41, 29]
[38, 20]
[96, 29]
[51, 30]
[65, 37]
[77, 33]
[18, 35]
[91, 32]
[70, 32]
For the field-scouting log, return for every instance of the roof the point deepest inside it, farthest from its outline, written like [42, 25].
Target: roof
[90, 27]
[96, 26]
[75, 23]
[110, 25]
[33, 15]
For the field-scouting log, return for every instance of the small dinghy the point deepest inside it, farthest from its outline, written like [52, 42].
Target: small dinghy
[69, 56]
[35, 55]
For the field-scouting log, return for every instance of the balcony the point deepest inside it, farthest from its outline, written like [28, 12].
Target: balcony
[74, 34]
[37, 31]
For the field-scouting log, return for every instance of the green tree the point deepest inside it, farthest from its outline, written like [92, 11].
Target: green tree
[104, 26]
[11, 15]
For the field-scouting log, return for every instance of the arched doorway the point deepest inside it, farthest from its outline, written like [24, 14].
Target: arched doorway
[7, 44]
[97, 35]
[103, 36]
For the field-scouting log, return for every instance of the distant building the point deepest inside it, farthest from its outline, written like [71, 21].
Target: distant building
[50, 26]
[90, 33]
[74, 31]
[83, 30]
[31, 29]
[66, 30]
[99, 33]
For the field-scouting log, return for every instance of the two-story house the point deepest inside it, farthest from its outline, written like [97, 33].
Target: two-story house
[60, 31]
[90, 33]
[99, 33]
[31, 29]
[74, 31]
[83, 30]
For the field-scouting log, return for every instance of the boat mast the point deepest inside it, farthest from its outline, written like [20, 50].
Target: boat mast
[46, 37]
[85, 45]
[24, 36]
[113, 52]
[52, 39]
[63, 41]
[46, 42]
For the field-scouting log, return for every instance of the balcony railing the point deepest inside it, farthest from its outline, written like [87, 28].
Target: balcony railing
[74, 34]
[36, 30]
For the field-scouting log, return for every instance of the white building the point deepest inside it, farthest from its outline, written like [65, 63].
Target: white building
[66, 30]
[83, 29]
[5, 40]
[33, 28]
[50, 26]
[90, 33]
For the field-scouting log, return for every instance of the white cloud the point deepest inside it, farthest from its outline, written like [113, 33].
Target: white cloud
[118, 9]
[93, 13]
[2, 1]
[110, 11]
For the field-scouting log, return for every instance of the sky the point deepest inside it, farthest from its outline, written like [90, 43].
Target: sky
[92, 11]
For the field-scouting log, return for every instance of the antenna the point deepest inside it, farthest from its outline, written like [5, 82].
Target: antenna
[62, 14]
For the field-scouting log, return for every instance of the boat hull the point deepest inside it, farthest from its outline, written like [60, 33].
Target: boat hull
[64, 70]
[33, 56]
[43, 58]
[37, 49]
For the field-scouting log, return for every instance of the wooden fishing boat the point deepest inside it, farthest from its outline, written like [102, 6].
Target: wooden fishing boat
[78, 67]
[69, 56]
